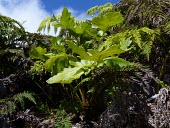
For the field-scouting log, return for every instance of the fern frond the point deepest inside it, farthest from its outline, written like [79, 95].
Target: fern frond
[21, 96]
[13, 24]
[9, 105]
[144, 12]
[101, 10]
[141, 38]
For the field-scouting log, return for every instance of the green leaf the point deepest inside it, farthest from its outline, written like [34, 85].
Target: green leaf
[38, 53]
[79, 50]
[95, 55]
[147, 48]
[116, 61]
[86, 65]
[125, 44]
[50, 62]
[56, 63]
[66, 21]
[43, 24]
[108, 20]
[79, 29]
[92, 32]
[58, 44]
[112, 51]
[66, 76]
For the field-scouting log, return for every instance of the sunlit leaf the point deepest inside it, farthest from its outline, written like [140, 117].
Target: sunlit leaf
[125, 44]
[116, 61]
[108, 20]
[66, 76]
[66, 21]
[43, 24]
[56, 63]
[38, 53]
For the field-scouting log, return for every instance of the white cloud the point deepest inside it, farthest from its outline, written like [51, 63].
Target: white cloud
[32, 12]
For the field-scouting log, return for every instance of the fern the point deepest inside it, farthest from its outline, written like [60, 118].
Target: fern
[101, 10]
[144, 12]
[9, 105]
[21, 96]
[141, 38]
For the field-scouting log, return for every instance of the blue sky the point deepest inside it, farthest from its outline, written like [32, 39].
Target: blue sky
[30, 13]
[81, 5]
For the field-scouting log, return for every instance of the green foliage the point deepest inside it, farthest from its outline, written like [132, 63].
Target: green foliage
[70, 106]
[71, 61]
[9, 105]
[66, 21]
[37, 53]
[117, 62]
[144, 12]
[66, 76]
[38, 68]
[103, 9]
[63, 21]
[89, 63]
[108, 20]
[12, 40]
[56, 63]
[62, 120]
[10, 28]
[62, 65]
[21, 96]
[141, 39]
[163, 85]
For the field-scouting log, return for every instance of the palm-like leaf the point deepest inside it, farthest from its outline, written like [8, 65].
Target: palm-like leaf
[145, 12]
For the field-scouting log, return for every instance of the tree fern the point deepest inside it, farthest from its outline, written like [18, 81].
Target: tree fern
[144, 12]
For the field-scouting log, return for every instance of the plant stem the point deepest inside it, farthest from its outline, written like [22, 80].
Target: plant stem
[43, 91]
[84, 101]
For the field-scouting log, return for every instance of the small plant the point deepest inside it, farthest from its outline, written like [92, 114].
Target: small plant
[38, 68]
[62, 120]
[8, 105]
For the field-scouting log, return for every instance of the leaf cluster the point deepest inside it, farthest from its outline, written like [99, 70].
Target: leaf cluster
[9, 105]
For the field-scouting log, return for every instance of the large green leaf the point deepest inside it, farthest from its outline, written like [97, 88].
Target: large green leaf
[66, 21]
[79, 50]
[56, 63]
[86, 65]
[79, 29]
[100, 55]
[50, 62]
[116, 61]
[38, 53]
[108, 20]
[58, 44]
[95, 55]
[66, 76]
[114, 50]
